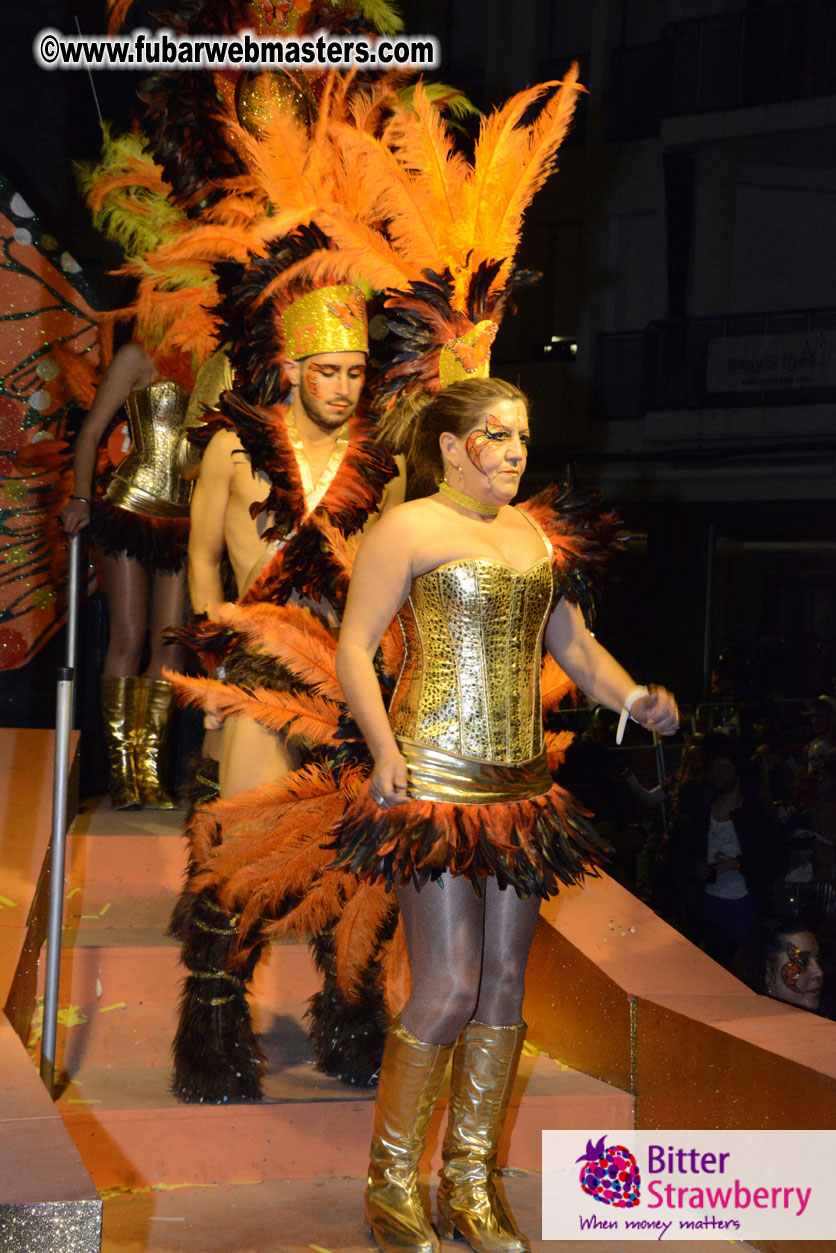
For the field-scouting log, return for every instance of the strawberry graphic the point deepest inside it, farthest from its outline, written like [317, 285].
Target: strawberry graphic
[610, 1174]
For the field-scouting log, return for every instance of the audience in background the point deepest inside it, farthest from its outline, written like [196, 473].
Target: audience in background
[742, 827]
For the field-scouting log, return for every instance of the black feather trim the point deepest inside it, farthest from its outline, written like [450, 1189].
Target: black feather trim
[423, 840]
[583, 537]
[156, 543]
[348, 1036]
[216, 1055]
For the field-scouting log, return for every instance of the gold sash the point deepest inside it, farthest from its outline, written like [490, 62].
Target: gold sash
[436, 775]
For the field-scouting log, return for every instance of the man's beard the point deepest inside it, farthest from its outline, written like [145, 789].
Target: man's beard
[318, 412]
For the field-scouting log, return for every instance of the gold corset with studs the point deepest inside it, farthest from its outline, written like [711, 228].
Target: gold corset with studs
[468, 694]
[148, 481]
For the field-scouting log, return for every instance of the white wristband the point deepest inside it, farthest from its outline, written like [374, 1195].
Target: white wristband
[629, 700]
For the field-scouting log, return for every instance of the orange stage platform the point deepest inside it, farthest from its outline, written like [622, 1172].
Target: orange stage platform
[47, 1199]
[629, 1026]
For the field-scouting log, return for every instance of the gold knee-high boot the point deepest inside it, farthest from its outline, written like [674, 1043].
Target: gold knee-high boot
[410, 1076]
[118, 695]
[154, 709]
[484, 1065]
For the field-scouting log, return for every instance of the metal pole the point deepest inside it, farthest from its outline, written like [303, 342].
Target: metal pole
[73, 594]
[60, 780]
[73, 586]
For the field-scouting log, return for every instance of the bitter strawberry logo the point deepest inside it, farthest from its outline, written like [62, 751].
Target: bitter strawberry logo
[610, 1174]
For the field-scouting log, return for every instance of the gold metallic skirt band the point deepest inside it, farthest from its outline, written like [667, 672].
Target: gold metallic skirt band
[436, 775]
[135, 499]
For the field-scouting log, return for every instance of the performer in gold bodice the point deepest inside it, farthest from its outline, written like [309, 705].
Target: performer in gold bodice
[461, 814]
[140, 522]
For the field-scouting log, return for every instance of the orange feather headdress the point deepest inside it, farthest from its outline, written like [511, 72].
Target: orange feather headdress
[131, 203]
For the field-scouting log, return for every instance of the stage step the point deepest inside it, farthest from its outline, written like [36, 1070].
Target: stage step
[325, 1215]
[47, 1200]
[120, 979]
[131, 1132]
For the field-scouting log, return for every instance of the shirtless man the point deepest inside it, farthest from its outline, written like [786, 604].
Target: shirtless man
[325, 391]
[215, 1053]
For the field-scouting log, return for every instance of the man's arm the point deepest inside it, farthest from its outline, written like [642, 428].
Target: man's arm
[210, 501]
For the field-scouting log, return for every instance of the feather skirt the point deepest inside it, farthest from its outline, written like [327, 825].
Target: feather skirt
[157, 543]
[532, 845]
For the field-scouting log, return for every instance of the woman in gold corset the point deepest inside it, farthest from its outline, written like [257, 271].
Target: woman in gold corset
[141, 527]
[464, 818]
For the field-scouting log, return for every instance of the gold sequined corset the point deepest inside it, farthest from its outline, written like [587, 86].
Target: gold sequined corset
[470, 681]
[148, 481]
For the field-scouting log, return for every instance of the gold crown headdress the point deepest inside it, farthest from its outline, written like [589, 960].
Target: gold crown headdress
[331, 318]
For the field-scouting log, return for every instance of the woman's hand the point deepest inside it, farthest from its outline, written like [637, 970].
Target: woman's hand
[388, 781]
[75, 516]
[657, 711]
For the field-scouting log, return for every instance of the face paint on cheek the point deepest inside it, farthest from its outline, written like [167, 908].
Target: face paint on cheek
[477, 441]
[793, 969]
[474, 447]
[313, 380]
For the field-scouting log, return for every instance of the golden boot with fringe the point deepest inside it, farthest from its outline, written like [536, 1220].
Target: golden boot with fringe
[410, 1076]
[484, 1065]
[151, 736]
[118, 696]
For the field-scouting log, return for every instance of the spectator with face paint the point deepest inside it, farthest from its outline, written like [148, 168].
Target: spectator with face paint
[782, 960]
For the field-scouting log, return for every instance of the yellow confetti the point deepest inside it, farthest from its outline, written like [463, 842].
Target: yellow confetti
[108, 1193]
[531, 1050]
[103, 1009]
[80, 1100]
[71, 1016]
[72, 893]
[317, 1248]
[5, 903]
[104, 909]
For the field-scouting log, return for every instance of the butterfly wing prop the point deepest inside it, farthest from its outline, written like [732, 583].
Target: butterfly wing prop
[46, 319]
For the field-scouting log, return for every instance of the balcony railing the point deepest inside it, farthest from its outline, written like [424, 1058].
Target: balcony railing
[734, 60]
[737, 361]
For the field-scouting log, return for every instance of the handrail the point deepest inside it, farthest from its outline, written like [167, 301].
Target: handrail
[64, 711]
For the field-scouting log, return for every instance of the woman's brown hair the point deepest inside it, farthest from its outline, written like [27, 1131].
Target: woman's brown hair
[456, 409]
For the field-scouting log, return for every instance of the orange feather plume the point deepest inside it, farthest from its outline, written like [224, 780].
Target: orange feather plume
[293, 635]
[312, 717]
[555, 685]
[357, 933]
[424, 146]
[556, 744]
[397, 975]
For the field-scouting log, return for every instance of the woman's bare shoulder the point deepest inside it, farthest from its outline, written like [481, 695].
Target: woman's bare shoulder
[407, 516]
[399, 531]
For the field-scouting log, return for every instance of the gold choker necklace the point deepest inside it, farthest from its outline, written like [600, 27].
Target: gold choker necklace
[468, 502]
